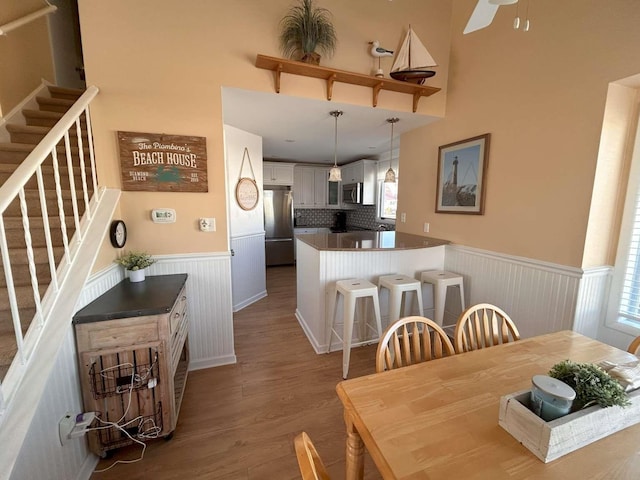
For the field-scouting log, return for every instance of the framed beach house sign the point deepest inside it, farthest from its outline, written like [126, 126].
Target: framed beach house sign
[152, 162]
[462, 174]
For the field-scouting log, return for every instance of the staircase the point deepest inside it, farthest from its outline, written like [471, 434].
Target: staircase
[53, 221]
[24, 138]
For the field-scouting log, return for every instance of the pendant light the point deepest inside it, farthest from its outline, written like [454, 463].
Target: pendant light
[335, 175]
[390, 176]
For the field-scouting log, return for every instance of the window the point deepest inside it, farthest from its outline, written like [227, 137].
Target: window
[388, 200]
[624, 301]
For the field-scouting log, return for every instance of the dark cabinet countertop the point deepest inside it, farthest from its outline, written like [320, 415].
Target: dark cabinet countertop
[155, 295]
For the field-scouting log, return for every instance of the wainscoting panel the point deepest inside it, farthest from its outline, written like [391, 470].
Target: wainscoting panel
[208, 304]
[591, 305]
[540, 297]
[248, 270]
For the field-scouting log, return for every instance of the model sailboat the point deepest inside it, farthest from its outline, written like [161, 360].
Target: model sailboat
[412, 61]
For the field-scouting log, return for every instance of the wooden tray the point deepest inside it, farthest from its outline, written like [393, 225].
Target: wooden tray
[551, 440]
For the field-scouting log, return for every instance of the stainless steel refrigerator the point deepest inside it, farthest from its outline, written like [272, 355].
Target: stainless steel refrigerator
[278, 225]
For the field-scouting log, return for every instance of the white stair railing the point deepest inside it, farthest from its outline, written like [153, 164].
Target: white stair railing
[14, 188]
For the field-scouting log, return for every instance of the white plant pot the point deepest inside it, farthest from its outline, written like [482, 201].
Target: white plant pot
[136, 275]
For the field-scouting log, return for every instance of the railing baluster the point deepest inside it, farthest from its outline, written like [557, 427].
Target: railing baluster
[83, 172]
[47, 231]
[72, 187]
[30, 256]
[94, 175]
[11, 291]
[63, 221]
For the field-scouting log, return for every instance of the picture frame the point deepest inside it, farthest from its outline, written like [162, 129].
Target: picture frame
[462, 176]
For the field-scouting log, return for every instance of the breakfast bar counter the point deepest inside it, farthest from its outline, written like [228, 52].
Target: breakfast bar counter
[324, 258]
[369, 240]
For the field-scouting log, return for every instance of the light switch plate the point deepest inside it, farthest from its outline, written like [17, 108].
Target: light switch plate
[207, 224]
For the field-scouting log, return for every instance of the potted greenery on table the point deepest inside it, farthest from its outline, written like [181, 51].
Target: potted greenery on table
[307, 28]
[135, 263]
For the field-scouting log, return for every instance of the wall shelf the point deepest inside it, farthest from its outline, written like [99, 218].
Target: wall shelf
[332, 75]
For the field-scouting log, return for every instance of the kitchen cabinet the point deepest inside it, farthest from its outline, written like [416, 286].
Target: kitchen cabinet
[275, 173]
[312, 189]
[364, 172]
[133, 355]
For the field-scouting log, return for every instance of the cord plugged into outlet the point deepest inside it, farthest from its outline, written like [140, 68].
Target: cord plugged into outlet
[74, 426]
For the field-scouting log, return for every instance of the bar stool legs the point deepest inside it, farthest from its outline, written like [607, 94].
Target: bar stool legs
[441, 280]
[351, 291]
[397, 285]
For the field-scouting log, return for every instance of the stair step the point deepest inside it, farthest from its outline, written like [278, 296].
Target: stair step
[30, 134]
[65, 92]
[16, 152]
[24, 297]
[54, 104]
[22, 276]
[6, 170]
[8, 350]
[33, 203]
[41, 118]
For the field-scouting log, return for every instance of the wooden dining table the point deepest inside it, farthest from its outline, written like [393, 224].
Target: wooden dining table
[439, 419]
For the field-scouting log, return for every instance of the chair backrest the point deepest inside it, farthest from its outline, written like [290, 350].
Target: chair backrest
[411, 340]
[310, 463]
[484, 325]
[634, 347]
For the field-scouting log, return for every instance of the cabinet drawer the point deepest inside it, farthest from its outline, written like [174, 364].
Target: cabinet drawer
[177, 341]
[118, 333]
[178, 311]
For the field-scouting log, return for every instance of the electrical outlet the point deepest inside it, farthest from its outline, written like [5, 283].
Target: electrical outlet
[403, 217]
[426, 227]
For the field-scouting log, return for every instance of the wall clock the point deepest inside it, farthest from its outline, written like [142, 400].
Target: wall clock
[118, 233]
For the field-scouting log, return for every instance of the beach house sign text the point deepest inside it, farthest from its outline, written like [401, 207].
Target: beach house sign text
[152, 162]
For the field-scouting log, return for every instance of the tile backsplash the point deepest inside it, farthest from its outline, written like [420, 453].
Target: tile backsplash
[363, 216]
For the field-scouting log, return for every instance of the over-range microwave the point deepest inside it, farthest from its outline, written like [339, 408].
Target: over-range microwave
[352, 193]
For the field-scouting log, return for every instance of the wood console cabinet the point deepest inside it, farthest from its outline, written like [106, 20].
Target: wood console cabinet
[133, 355]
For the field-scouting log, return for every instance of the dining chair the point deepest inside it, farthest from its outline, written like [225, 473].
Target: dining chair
[310, 463]
[483, 325]
[411, 340]
[634, 347]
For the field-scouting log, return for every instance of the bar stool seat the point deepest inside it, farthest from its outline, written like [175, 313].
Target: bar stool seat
[441, 280]
[397, 285]
[351, 291]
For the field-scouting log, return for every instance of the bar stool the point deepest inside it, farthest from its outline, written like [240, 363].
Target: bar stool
[441, 280]
[351, 291]
[397, 285]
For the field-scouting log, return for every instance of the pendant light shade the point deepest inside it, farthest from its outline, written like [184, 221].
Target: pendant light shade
[335, 175]
[390, 176]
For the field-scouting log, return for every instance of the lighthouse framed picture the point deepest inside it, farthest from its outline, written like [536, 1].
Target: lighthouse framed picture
[462, 175]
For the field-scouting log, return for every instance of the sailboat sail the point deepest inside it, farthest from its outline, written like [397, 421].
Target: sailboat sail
[413, 55]
[411, 60]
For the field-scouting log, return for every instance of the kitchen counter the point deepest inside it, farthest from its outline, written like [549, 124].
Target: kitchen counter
[324, 258]
[369, 240]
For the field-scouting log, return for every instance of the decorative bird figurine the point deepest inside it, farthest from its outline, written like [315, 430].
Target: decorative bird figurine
[378, 52]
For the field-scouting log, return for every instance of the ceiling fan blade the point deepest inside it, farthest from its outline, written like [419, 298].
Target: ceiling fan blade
[481, 17]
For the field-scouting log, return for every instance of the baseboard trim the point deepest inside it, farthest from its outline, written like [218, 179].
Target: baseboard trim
[212, 362]
[249, 301]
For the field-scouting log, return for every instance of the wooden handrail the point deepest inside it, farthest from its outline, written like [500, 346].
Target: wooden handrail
[7, 27]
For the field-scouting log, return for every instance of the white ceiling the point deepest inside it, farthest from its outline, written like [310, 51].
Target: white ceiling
[301, 130]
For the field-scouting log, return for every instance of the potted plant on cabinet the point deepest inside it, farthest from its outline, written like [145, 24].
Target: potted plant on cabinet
[135, 263]
[307, 28]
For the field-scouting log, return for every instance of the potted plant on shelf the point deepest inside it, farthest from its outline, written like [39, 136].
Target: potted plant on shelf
[307, 28]
[135, 263]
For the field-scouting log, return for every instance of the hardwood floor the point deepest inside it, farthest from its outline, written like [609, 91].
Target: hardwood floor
[239, 421]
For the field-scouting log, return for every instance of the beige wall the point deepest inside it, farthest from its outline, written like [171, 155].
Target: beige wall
[160, 65]
[541, 95]
[24, 52]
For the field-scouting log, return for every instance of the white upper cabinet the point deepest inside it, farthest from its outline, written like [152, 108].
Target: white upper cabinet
[276, 173]
[311, 188]
[364, 172]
